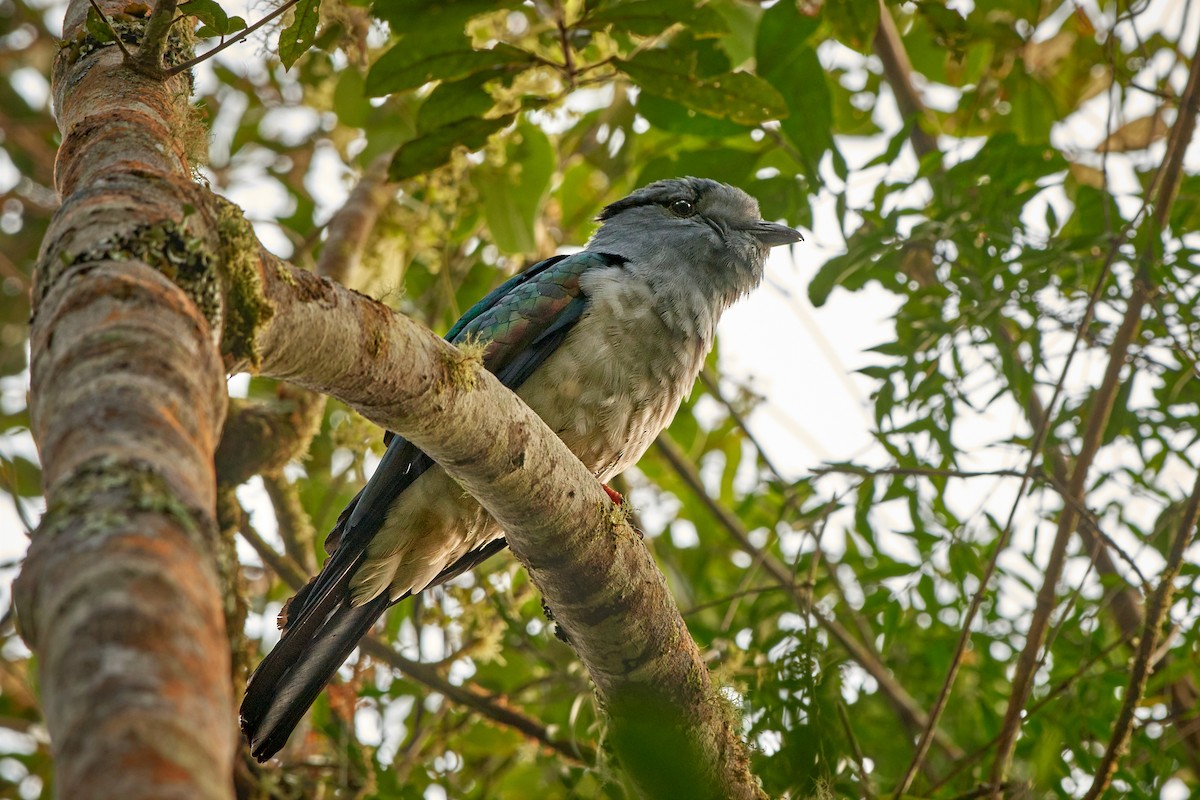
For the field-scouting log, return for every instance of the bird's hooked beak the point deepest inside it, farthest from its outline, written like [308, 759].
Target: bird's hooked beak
[772, 234]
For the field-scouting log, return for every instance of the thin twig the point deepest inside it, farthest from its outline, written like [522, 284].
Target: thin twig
[295, 526]
[898, 70]
[289, 571]
[753, 590]
[1162, 191]
[1156, 612]
[154, 38]
[891, 51]
[116, 36]
[241, 37]
[560, 21]
[926, 472]
[905, 707]
[1053, 694]
[712, 384]
[864, 779]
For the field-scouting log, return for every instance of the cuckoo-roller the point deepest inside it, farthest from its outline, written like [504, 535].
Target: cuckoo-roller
[603, 344]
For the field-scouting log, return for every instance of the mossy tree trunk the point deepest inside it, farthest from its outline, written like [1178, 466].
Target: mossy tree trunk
[120, 597]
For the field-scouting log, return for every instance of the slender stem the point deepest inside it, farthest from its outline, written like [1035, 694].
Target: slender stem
[241, 37]
[926, 472]
[902, 702]
[864, 779]
[154, 39]
[116, 36]
[898, 70]
[1052, 695]
[565, 42]
[1162, 193]
[1139, 673]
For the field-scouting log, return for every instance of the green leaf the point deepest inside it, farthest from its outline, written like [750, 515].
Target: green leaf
[435, 148]
[737, 96]
[743, 20]
[22, 476]
[676, 118]
[514, 192]
[1033, 108]
[350, 100]
[853, 22]
[295, 39]
[415, 61]
[454, 100]
[208, 12]
[97, 27]
[791, 66]
[435, 19]
[648, 17]
[726, 164]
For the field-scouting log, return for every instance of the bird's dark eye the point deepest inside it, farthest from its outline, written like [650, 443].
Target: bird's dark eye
[681, 208]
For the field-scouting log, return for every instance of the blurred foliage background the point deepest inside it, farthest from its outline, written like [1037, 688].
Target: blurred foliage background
[984, 172]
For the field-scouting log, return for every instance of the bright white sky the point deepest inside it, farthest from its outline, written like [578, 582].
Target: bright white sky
[801, 359]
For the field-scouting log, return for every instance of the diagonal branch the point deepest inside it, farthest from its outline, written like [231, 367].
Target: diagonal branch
[591, 566]
[1162, 193]
[1143, 664]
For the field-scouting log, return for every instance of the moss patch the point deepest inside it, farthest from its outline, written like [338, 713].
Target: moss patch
[130, 27]
[167, 247]
[247, 308]
[462, 365]
[102, 495]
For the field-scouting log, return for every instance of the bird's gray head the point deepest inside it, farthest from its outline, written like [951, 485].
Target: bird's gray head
[696, 229]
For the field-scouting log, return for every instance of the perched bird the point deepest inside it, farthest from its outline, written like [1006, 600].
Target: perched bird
[602, 344]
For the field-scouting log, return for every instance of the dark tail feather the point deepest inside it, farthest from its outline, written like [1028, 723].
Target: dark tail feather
[321, 628]
[292, 675]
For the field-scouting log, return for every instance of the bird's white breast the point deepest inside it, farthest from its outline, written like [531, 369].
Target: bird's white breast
[622, 372]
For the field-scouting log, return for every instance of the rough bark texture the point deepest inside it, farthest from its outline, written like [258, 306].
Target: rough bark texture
[119, 597]
[600, 582]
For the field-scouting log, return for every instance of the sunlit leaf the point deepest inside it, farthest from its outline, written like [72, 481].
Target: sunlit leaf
[737, 96]
[297, 37]
[433, 149]
[417, 60]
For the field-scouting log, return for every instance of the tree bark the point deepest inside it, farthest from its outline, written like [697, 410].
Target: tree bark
[119, 596]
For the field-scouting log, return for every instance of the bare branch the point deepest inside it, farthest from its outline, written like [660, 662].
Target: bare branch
[154, 39]
[231, 41]
[906, 708]
[1139, 673]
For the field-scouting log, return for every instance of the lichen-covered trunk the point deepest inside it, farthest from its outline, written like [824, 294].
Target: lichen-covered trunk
[120, 597]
